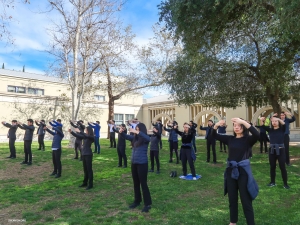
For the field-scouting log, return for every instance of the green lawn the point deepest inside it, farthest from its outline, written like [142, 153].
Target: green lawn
[28, 192]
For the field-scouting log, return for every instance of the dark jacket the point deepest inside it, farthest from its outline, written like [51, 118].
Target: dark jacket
[81, 127]
[208, 130]
[245, 164]
[139, 154]
[173, 136]
[154, 141]
[12, 130]
[57, 137]
[193, 129]
[28, 131]
[121, 139]
[287, 122]
[40, 130]
[87, 142]
[55, 124]
[158, 126]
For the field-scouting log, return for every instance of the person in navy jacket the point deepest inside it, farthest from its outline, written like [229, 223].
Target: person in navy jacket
[139, 165]
[11, 137]
[58, 135]
[173, 141]
[56, 123]
[238, 175]
[96, 126]
[210, 141]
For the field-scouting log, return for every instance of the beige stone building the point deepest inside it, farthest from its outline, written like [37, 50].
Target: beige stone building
[27, 95]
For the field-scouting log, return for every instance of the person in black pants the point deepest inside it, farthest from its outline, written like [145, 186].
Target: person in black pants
[186, 150]
[210, 141]
[159, 127]
[112, 136]
[194, 131]
[238, 175]
[173, 141]
[287, 122]
[41, 134]
[263, 138]
[87, 155]
[11, 137]
[121, 146]
[154, 149]
[78, 142]
[277, 151]
[139, 165]
[29, 129]
[58, 135]
[222, 131]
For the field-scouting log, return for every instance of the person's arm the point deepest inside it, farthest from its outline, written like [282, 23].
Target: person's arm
[215, 135]
[85, 136]
[37, 123]
[252, 139]
[58, 132]
[144, 136]
[203, 128]
[50, 131]
[7, 125]
[91, 125]
[178, 132]
[73, 125]
[167, 129]
[78, 135]
[116, 131]
[195, 125]
[293, 119]
[126, 136]
[82, 127]
[28, 127]
[20, 126]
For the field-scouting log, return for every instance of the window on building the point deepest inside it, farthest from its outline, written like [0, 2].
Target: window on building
[35, 91]
[16, 89]
[129, 117]
[100, 98]
[119, 119]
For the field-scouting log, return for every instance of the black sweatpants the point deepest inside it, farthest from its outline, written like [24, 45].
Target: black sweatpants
[173, 147]
[41, 142]
[281, 160]
[222, 144]
[211, 143]
[235, 186]
[27, 151]
[122, 154]
[88, 170]
[154, 154]
[12, 147]
[287, 148]
[112, 138]
[139, 175]
[263, 139]
[78, 146]
[186, 155]
[56, 154]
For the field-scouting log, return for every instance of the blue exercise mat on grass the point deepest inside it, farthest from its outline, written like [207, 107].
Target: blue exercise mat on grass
[190, 177]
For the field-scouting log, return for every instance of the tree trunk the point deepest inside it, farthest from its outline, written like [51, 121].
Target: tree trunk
[111, 106]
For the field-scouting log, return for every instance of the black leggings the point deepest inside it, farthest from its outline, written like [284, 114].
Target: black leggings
[173, 146]
[139, 175]
[122, 155]
[154, 154]
[263, 138]
[211, 143]
[27, 151]
[78, 145]
[287, 148]
[56, 154]
[281, 161]
[222, 143]
[186, 155]
[112, 138]
[41, 142]
[235, 186]
[88, 170]
[12, 147]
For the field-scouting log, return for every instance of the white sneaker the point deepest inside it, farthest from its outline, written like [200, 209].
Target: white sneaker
[194, 178]
[182, 177]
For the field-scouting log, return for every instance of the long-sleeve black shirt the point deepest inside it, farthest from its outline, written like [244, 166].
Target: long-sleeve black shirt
[121, 139]
[276, 135]
[154, 141]
[186, 138]
[80, 126]
[238, 148]
[87, 142]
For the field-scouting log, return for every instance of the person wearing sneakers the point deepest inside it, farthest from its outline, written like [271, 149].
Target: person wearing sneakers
[29, 129]
[238, 176]
[41, 134]
[154, 149]
[96, 126]
[222, 131]
[210, 141]
[121, 146]
[11, 137]
[186, 151]
[139, 165]
[173, 141]
[78, 141]
[277, 151]
[58, 135]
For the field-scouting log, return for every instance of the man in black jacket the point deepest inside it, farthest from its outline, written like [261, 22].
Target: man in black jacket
[158, 125]
[78, 140]
[11, 137]
[210, 141]
[194, 132]
[29, 129]
[41, 134]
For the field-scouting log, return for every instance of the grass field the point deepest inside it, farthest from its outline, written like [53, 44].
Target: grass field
[29, 193]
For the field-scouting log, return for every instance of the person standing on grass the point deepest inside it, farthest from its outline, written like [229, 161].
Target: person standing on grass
[139, 165]
[87, 155]
[112, 136]
[154, 149]
[11, 137]
[173, 141]
[222, 131]
[277, 151]
[194, 131]
[159, 127]
[263, 138]
[78, 141]
[186, 150]
[41, 134]
[96, 126]
[58, 135]
[29, 129]
[287, 122]
[210, 141]
[121, 146]
[238, 175]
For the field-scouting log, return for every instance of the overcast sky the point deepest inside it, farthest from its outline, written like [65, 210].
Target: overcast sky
[29, 29]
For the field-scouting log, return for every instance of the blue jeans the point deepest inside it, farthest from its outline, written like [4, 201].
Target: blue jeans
[97, 145]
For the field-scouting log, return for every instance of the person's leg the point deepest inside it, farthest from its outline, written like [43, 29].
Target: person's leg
[10, 141]
[54, 163]
[221, 149]
[111, 139]
[25, 152]
[89, 167]
[184, 161]
[232, 188]
[142, 173]
[80, 148]
[175, 146]
[119, 156]
[114, 138]
[272, 162]
[152, 160]
[194, 144]
[191, 162]
[40, 143]
[58, 161]
[123, 154]
[213, 145]
[29, 151]
[207, 150]
[136, 183]
[76, 149]
[98, 146]
[171, 150]
[84, 163]
[287, 148]
[245, 197]
[281, 162]
[156, 155]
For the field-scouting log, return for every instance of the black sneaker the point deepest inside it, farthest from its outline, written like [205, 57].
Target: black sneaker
[124, 166]
[151, 171]
[157, 172]
[134, 205]
[8, 157]
[13, 157]
[170, 161]
[83, 185]
[119, 165]
[57, 176]
[23, 162]
[271, 185]
[286, 186]
[29, 163]
[146, 208]
[89, 187]
[52, 174]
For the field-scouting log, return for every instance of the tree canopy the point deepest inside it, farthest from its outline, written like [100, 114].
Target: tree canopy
[234, 51]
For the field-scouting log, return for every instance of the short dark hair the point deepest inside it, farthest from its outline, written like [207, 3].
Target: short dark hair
[159, 120]
[97, 122]
[58, 120]
[191, 121]
[113, 121]
[14, 121]
[211, 121]
[30, 120]
[43, 121]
